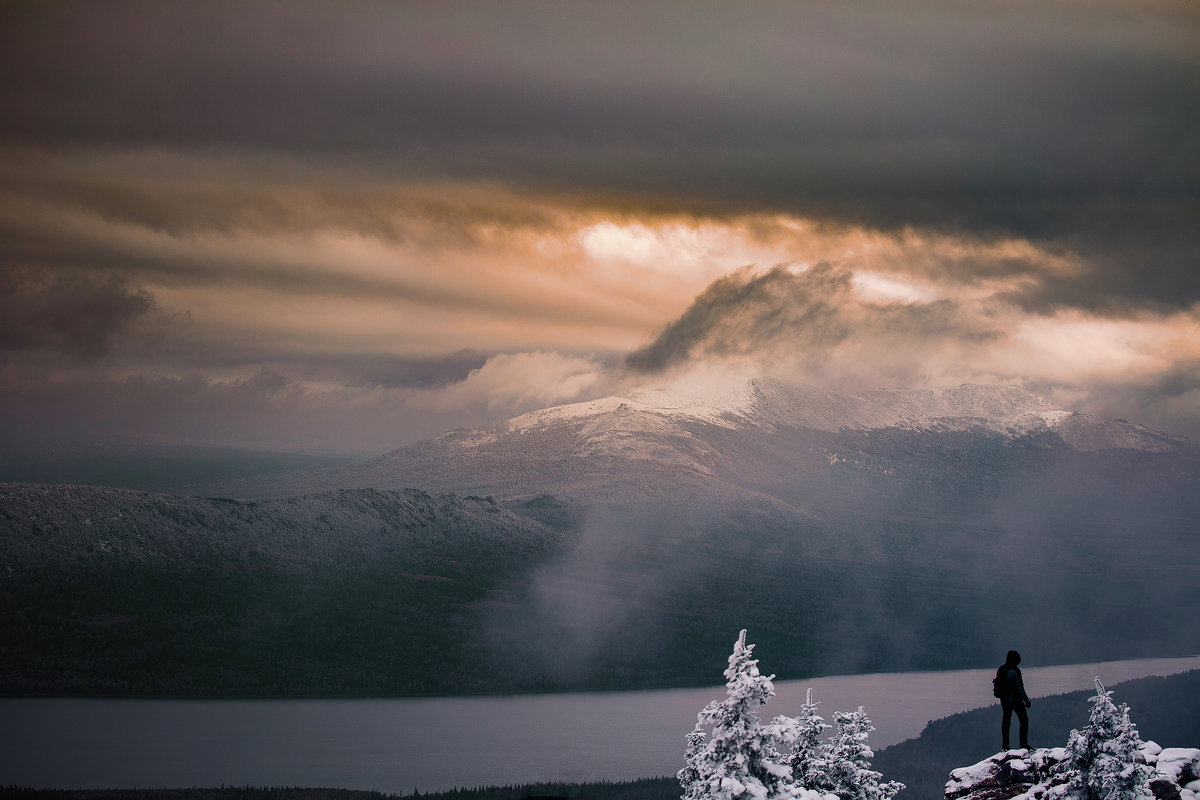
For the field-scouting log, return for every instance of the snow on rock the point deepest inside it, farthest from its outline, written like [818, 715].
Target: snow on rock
[1042, 775]
[728, 405]
[1013, 773]
[1007, 410]
[769, 402]
[1179, 764]
[1088, 434]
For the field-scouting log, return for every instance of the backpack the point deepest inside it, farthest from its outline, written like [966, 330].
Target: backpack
[1000, 688]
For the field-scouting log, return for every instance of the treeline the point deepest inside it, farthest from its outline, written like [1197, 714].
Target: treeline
[646, 789]
[220, 793]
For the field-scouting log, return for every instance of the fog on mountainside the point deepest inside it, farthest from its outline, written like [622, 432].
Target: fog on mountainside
[886, 530]
[882, 531]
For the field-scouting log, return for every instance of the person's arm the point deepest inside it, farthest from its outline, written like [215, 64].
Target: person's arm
[1019, 683]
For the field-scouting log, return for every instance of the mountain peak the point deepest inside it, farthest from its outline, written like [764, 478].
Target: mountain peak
[770, 403]
[686, 434]
[766, 401]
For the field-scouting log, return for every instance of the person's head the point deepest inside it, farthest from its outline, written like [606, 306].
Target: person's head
[1013, 659]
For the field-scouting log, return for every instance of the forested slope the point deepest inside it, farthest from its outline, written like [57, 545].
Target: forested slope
[116, 592]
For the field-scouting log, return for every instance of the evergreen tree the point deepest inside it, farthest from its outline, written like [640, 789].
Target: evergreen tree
[1104, 756]
[739, 760]
[779, 742]
[783, 760]
[844, 766]
[693, 777]
[808, 756]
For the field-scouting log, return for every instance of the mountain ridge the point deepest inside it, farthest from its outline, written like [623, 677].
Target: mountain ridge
[772, 401]
[858, 549]
[686, 436]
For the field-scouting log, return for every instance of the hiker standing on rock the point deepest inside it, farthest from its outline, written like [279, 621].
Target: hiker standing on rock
[1010, 688]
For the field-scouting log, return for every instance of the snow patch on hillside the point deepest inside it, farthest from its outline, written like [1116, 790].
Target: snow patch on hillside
[771, 401]
[768, 404]
[728, 407]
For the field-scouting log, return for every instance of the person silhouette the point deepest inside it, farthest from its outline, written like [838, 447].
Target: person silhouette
[1013, 698]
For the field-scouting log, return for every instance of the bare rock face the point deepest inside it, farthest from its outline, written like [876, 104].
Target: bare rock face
[1043, 775]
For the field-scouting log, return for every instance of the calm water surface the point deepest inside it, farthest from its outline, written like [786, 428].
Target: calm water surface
[439, 743]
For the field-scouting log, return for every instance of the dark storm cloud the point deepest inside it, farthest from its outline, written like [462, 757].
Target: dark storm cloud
[742, 311]
[420, 373]
[798, 318]
[1063, 122]
[1151, 258]
[71, 313]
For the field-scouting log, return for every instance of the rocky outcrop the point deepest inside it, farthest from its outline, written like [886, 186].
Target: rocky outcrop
[1177, 774]
[1043, 775]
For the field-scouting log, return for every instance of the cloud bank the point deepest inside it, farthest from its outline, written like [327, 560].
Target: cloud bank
[414, 217]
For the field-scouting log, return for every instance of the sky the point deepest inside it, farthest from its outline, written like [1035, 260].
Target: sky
[342, 227]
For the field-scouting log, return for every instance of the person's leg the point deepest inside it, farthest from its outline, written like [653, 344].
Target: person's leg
[1006, 723]
[1023, 718]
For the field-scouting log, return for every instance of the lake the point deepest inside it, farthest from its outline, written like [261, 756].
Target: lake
[431, 744]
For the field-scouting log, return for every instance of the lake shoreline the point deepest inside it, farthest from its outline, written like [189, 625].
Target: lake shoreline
[368, 694]
[434, 744]
[1163, 707]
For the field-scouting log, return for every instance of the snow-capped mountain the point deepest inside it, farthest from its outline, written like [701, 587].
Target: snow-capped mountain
[932, 524]
[746, 435]
[771, 403]
[876, 531]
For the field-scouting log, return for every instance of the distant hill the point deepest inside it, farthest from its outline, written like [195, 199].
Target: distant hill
[109, 591]
[145, 466]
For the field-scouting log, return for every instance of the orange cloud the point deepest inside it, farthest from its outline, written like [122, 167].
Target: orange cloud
[252, 264]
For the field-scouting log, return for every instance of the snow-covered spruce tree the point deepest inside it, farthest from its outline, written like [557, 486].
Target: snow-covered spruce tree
[807, 758]
[739, 760]
[693, 777]
[844, 766]
[1103, 756]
